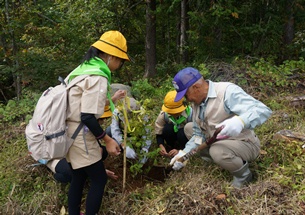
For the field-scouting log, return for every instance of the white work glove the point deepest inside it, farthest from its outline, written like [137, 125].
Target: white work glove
[130, 153]
[231, 127]
[177, 164]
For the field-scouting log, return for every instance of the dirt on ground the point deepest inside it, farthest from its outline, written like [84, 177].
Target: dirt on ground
[149, 174]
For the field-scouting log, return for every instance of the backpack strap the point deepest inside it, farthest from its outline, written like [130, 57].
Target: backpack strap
[73, 81]
[71, 84]
[76, 132]
[49, 137]
[62, 80]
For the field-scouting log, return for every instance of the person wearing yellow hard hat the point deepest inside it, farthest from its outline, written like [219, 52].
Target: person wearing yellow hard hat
[86, 102]
[107, 112]
[173, 126]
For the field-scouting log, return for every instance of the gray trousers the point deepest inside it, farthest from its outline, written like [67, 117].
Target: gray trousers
[231, 154]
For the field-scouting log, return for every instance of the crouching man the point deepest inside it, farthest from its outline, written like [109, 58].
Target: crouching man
[226, 105]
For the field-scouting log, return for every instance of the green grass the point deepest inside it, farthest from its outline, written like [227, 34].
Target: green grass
[278, 187]
[199, 188]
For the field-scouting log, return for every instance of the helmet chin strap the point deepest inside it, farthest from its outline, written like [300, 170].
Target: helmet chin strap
[108, 60]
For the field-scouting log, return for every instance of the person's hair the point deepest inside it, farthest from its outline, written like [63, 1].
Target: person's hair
[91, 53]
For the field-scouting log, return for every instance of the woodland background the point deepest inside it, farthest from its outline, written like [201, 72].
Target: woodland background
[43, 39]
[259, 45]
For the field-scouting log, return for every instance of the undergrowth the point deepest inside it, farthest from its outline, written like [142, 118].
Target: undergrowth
[199, 188]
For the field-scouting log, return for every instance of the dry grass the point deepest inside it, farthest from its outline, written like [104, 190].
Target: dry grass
[198, 189]
[205, 189]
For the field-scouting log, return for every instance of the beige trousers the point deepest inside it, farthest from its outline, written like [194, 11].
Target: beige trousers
[231, 154]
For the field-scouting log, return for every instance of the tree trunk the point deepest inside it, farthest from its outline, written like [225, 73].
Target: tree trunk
[288, 29]
[183, 29]
[289, 25]
[150, 42]
[15, 63]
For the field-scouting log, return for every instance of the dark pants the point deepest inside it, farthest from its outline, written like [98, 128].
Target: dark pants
[174, 140]
[108, 131]
[98, 179]
[63, 172]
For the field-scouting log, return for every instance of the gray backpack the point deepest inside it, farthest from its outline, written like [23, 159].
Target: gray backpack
[46, 133]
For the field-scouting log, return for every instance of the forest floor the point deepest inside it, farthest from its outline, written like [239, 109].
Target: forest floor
[200, 188]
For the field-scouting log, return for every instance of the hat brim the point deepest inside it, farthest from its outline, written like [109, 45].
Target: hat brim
[180, 95]
[106, 114]
[108, 49]
[173, 110]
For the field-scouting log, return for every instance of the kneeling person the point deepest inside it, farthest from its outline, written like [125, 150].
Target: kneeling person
[173, 127]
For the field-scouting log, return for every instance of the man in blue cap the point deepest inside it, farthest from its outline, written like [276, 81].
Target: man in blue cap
[221, 104]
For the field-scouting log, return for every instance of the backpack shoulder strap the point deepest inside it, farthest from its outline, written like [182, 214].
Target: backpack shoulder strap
[79, 127]
[73, 82]
[68, 86]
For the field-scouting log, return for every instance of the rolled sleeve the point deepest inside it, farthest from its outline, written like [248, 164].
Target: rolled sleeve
[94, 95]
[190, 145]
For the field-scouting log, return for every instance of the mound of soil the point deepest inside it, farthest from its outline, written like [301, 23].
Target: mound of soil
[149, 174]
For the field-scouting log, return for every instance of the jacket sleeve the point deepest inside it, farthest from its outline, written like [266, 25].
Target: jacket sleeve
[159, 124]
[146, 137]
[90, 121]
[250, 110]
[190, 145]
[115, 127]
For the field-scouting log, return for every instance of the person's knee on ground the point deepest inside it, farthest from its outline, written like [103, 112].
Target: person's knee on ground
[63, 172]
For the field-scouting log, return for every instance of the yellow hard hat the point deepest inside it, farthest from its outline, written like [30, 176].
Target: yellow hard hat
[107, 112]
[113, 43]
[170, 106]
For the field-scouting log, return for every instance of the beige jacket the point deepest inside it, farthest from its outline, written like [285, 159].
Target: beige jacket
[88, 96]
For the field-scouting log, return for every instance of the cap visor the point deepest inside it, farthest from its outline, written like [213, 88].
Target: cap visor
[180, 95]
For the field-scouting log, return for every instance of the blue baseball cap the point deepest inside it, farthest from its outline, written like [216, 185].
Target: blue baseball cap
[184, 79]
